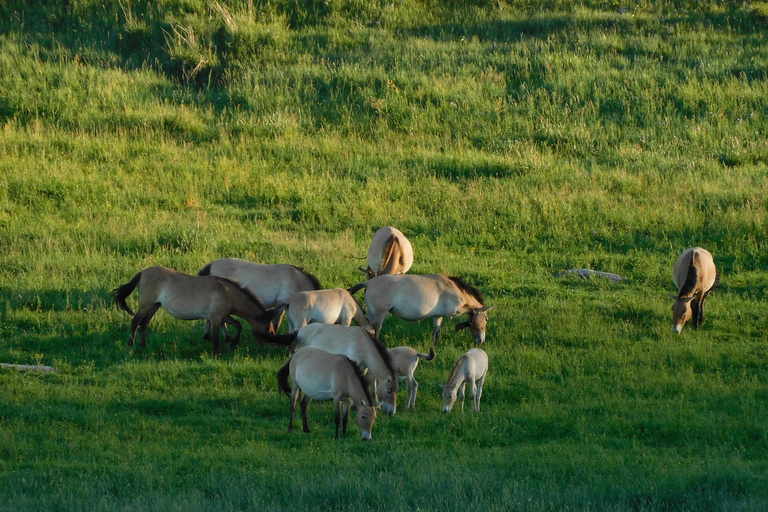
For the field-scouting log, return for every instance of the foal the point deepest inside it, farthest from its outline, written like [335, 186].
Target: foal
[471, 367]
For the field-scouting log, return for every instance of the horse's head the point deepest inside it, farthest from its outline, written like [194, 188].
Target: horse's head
[365, 418]
[477, 319]
[449, 396]
[681, 312]
[386, 393]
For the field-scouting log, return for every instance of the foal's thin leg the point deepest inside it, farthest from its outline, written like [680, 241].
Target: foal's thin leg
[345, 417]
[461, 394]
[238, 329]
[295, 392]
[337, 415]
[479, 392]
[413, 388]
[305, 412]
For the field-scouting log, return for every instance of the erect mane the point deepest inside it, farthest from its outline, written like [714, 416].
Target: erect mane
[315, 281]
[469, 290]
[361, 378]
[385, 355]
[690, 280]
[455, 369]
[386, 252]
[247, 292]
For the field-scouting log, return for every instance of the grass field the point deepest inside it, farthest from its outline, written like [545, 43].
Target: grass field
[508, 140]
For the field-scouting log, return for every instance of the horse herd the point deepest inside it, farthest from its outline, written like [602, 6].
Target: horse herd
[333, 360]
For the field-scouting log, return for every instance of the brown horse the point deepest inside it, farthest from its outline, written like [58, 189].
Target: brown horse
[187, 297]
[323, 376]
[695, 276]
[272, 284]
[416, 297]
[390, 253]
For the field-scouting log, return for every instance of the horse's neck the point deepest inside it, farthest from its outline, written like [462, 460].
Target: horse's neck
[457, 377]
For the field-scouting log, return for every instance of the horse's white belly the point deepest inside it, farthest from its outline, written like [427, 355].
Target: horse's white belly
[327, 313]
[317, 387]
[183, 307]
[419, 308]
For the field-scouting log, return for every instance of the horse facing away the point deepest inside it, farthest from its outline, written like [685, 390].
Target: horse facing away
[272, 284]
[471, 367]
[389, 253]
[405, 360]
[323, 376]
[357, 344]
[695, 276]
[332, 306]
[416, 297]
[187, 297]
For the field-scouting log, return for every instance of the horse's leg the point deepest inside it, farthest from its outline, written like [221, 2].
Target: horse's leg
[295, 392]
[277, 319]
[305, 412]
[461, 394]
[701, 307]
[413, 388]
[479, 392]
[337, 415]
[145, 321]
[473, 394]
[238, 329]
[436, 330]
[207, 335]
[345, 417]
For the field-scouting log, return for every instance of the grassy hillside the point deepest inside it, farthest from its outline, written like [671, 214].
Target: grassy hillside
[507, 140]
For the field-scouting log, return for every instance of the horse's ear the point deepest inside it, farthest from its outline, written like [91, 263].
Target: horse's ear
[442, 386]
[484, 308]
[462, 325]
[688, 299]
[378, 405]
[361, 269]
[673, 297]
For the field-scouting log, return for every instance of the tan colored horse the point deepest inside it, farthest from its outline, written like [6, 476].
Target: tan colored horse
[416, 297]
[695, 276]
[332, 306]
[357, 344]
[405, 360]
[272, 284]
[323, 376]
[389, 253]
[187, 297]
[471, 367]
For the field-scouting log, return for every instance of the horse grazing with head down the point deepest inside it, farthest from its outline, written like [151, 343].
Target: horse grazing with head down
[405, 360]
[695, 276]
[332, 306]
[272, 284]
[471, 367]
[389, 253]
[187, 297]
[416, 297]
[323, 376]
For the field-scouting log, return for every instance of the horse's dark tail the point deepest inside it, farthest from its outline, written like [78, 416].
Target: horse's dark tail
[358, 287]
[428, 357]
[206, 270]
[122, 293]
[282, 378]
[283, 340]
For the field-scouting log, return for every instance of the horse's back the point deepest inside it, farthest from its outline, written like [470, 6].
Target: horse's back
[705, 265]
[316, 372]
[413, 296]
[272, 283]
[479, 360]
[380, 245]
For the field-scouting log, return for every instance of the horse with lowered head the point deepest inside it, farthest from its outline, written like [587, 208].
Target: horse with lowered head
[332, 306]
[471, 367]
[272, 284]
[416, 297]
[389, 253]
[323, 376]
[187, 297]
[695, 276]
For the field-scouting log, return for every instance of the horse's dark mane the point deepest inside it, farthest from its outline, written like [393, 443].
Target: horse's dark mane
[454, 369]
[315, 281]
[361, 378]
[385, 355]
[690, 280]
[206, 270]
[246, 291]
[469, 290]
[387, 249]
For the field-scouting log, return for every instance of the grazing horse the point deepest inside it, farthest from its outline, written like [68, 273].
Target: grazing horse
[191, 298]
[325, 376]
[471, 367]
[416, 297]
[357, 344]
[390, 253]
[405, 360]
[332, 306]
[695, 276]
[271, 283]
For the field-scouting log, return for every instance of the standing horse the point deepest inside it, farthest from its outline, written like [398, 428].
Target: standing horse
[332, 306]
[695, 276]
[191, 298]
[357, 344]
[416, 297]
[471, 367]
[405, 360]
[324, 376]
[390, 253]
[271, 283]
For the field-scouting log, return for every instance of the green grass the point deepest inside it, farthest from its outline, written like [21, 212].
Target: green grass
[507, 140]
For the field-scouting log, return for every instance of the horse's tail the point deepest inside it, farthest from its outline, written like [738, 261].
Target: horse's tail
[282, 340]
[206, 270]
[428, 357]
[358, 287]
[282, 378]
[122, 293]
